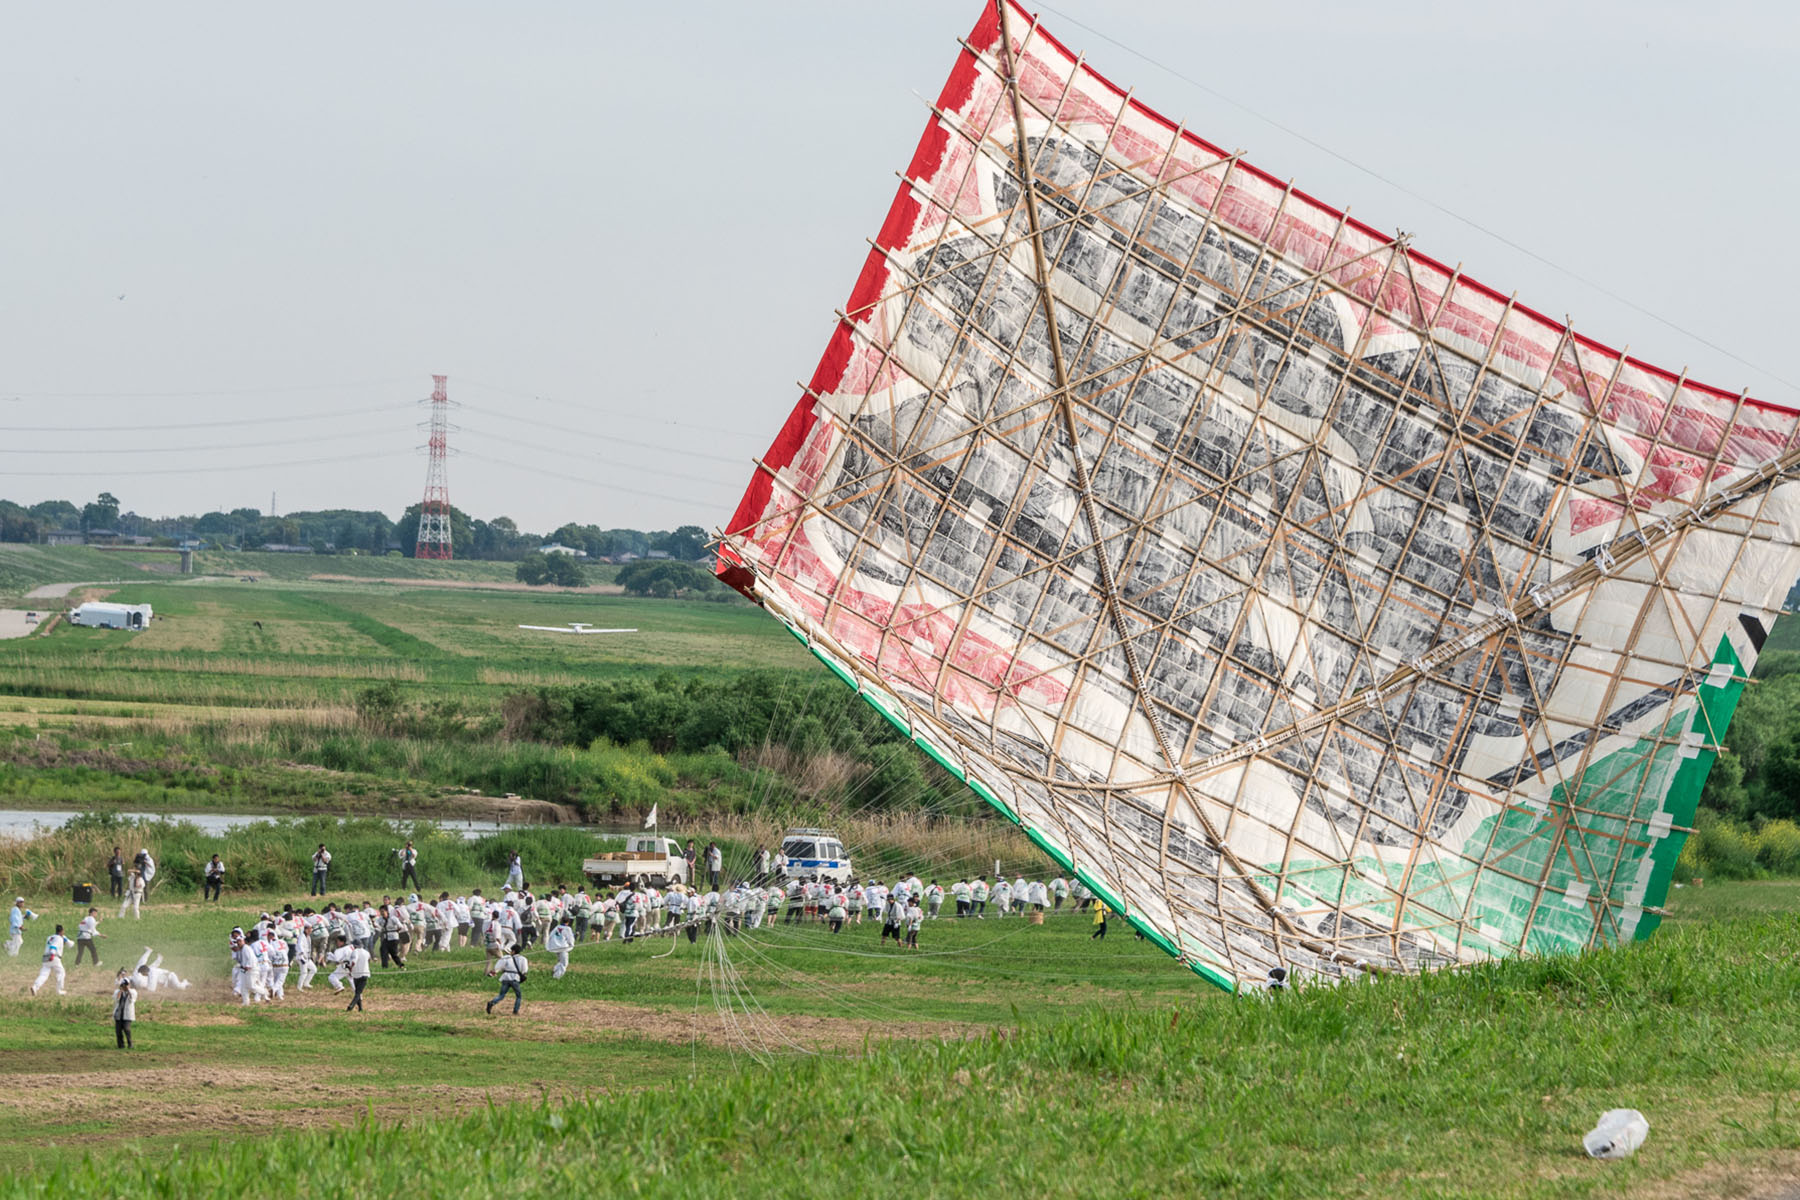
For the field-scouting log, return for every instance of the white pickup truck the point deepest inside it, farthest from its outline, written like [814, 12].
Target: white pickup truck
[647, 859]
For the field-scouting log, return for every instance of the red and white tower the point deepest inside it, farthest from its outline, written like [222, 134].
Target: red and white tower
[434, 514]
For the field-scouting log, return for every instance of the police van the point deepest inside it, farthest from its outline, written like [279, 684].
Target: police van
[816, 854]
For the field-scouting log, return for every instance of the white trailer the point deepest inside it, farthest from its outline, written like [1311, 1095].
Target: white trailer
[97, 615]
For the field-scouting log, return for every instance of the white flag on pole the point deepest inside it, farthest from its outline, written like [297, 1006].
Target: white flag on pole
[650, 821]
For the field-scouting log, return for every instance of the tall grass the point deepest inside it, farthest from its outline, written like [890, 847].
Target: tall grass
[276, 856]
[285, 667]
[1726, 848]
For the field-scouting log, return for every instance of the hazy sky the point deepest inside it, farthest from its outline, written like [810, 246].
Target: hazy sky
[238, 239]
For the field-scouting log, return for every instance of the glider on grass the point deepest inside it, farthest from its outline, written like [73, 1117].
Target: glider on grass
[1317, 605]
[574, 627]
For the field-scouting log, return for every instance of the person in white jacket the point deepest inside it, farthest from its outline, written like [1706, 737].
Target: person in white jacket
[249, 972]
[512, 969]
[135, 888]
[275, 954]
[124, 1010]
[559, 941]
[151, 974]
[54, 945]
[1003, 898]
[342, 958]
[303, 960]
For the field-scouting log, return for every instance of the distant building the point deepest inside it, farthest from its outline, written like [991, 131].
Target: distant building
[65, 537]
[279, 548]
[659, 554]
[559, 548]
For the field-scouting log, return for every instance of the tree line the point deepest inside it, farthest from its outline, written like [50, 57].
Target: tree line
[342, 531]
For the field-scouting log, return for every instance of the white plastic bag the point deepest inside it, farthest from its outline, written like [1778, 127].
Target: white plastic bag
[1618, 1134]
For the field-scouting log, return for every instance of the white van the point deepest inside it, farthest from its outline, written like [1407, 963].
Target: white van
[816, 854]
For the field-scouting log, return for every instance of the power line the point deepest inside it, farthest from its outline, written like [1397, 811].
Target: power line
[583, 480]
[234, 421]
[260, 391]
[217, 446]
[624, 416]
[131, 472]
[584, 456]
[604, 437]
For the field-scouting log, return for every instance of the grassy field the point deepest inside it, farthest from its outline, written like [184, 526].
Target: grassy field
[261, 681]
[23, 567]
[636, 1016]
[1029, 1058]
[786, 1062]
[316, 641]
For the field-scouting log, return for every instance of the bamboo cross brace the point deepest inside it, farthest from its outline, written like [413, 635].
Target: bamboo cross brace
[1610, 557]
[1084, 488]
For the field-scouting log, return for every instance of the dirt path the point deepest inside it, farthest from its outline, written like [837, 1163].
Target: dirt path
[208, 1003]
[14, 625]
[42, 1092]
[54, 591]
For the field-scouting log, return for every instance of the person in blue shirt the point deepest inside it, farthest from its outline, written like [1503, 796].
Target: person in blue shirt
[16, 916]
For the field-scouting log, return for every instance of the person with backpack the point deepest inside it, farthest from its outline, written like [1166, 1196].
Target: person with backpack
[512, 969]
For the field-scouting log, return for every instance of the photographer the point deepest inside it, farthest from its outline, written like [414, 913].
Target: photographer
[214, 880]
[409, 865]
[124, 1009]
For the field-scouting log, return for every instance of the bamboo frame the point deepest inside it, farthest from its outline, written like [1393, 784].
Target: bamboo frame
[1095, 790]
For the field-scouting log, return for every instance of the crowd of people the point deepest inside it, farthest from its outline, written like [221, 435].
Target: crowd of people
[355, 938]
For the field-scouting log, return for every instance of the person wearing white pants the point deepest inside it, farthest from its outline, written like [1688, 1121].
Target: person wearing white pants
[559, 942]
[303, 959]
[342, 955]
[134, 895]
[152, 976]
[54, 945]
[275, 950]
[16, 916]
[248, 973]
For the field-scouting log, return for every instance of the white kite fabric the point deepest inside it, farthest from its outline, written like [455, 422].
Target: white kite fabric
[1319, 606]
